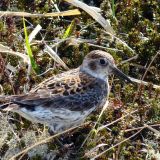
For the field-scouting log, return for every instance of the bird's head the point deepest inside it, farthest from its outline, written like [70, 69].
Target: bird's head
[101, 64]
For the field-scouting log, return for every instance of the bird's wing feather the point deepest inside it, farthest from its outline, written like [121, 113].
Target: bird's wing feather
[71, 90]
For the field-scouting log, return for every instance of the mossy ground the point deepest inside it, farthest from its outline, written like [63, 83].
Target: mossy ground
[135, 22]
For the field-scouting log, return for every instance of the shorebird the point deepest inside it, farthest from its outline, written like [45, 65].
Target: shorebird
[65, 100]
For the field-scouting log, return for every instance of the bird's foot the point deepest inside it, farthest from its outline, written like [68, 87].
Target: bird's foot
[63, 151]
[65, 148]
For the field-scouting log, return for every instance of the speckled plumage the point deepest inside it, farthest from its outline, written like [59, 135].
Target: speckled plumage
[65, 100]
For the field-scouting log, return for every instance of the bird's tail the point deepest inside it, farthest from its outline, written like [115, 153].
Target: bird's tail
[5, 98]
[5, 103]
[4, 106]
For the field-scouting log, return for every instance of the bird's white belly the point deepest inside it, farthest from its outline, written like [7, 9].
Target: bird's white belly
[57, 119]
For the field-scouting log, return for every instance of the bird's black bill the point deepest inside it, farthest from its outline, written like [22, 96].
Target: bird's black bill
[120, 74]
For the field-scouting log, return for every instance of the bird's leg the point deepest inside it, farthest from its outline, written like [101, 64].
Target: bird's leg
[63, 148]
[56, 140]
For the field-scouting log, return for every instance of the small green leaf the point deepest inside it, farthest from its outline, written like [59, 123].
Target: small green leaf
[70, 29]
[113, 8]
[29, 51]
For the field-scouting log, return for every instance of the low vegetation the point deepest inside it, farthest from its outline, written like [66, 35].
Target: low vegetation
[130, 126]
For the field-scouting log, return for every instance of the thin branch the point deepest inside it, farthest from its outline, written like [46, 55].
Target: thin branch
[143, 82]
[117, 144]
[130, 59]
[117, 120]
[134, 129]
[145, 75]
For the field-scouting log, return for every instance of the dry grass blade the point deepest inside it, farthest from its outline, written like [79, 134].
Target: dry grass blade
[59, 42]
[95, 148]
[120, 41]
[55, 14]
[103, 109]
[124, 44]
[130, 59]
[95, 15]
[34, 33]
[54, 55]
[7, 50]
[96, 9]
[143, 82]
[64, 13]
[11, 68]
[90, 43]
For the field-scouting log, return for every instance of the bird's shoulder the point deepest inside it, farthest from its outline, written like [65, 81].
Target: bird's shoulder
[67, 83]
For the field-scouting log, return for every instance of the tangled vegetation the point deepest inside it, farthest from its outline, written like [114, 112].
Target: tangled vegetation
[130, 126]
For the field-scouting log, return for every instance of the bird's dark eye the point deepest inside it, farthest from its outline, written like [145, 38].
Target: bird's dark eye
[103, 62]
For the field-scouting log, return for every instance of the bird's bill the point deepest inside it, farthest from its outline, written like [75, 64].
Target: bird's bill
[120, 74]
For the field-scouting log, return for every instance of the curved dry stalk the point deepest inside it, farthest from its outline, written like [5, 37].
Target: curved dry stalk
[7, 50]
[95, 15]
[44, 141]
[157, 133]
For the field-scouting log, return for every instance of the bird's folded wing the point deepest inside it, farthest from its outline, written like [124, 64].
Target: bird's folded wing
[75, 102]
[75, 91]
